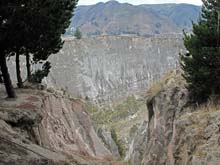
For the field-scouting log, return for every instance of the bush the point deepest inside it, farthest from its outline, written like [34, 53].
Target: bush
[39, 75]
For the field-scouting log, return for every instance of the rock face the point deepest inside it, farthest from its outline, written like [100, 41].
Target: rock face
[109, 142]
[164, 111]
[105, 68]
[67, 127]
[137, 146]
[176, 133]
[42, 127]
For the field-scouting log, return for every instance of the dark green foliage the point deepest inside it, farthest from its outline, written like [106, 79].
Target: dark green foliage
[78, 34]
[5, 20]
[50, 19]
[202, 66]
[32, 27]
[39, 75]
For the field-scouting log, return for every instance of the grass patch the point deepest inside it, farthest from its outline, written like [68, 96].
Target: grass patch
[112, 114]
[173, 77]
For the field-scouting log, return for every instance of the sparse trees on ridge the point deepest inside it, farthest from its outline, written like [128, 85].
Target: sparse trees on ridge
[202, 67]
[32, 28]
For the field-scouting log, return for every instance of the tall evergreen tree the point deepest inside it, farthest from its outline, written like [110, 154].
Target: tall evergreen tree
[38, 30]
[202, 67]
[6, 14]
[45, 21]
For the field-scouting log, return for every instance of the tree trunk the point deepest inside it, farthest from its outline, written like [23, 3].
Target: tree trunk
[7, 81]
[1, 79]
[18, 71]
[28, 65]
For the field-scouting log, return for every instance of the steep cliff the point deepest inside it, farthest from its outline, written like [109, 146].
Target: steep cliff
[176, 132]
[106, 68]
[45, 126]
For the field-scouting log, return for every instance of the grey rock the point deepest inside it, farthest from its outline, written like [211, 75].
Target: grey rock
[106, 68]
[137, 146]
[106, 137]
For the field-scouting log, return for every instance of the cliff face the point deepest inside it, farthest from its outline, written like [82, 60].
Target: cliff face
[176, 133]
[164, 110]
[105, 68]
[47, 126]
[66, 127]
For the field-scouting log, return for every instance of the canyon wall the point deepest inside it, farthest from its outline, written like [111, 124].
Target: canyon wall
[105, 68]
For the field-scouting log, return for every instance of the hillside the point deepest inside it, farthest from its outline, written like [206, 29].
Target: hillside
[115, 18]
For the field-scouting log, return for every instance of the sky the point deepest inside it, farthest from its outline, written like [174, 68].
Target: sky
[137, 2]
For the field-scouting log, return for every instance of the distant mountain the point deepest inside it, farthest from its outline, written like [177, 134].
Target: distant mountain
[114, 18]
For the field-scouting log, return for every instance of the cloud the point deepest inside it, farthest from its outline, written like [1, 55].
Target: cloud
[137, 2]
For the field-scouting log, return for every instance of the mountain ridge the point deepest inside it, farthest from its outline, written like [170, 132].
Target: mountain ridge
[114, 18]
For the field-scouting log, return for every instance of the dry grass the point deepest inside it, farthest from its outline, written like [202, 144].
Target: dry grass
[210, 106]
[171, 78]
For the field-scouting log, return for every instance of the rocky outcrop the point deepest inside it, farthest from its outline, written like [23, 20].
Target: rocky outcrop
[66, 127]
[47, 127]
[164, 110]
[176, 133]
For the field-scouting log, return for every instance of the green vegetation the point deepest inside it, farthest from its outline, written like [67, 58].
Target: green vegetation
[32, 28]
[78, 34]
[201, 65]
[121, 111]
[39, 75]
[124, 117]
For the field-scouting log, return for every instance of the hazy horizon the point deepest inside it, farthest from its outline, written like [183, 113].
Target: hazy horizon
[138, 2]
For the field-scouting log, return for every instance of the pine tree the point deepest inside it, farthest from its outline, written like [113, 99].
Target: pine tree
[78, 33]
[6, 14]
[44, 24]
[31, 27]
[202, 66]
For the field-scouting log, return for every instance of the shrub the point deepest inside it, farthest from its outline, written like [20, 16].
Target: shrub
[39, 75]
